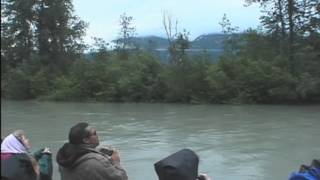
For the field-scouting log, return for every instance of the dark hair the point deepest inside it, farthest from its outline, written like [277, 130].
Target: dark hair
[78, 132]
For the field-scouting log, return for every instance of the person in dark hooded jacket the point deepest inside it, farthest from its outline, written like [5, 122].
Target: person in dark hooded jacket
[182, 165]
[79, 159]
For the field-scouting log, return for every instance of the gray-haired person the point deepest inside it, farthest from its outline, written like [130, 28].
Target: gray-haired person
[17, 162]
[79, 159]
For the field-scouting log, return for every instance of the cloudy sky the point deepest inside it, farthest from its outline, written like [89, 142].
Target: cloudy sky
[196, 16]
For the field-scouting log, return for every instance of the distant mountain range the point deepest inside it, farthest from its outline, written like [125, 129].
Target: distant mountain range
[206, 41]
[211, 44]
[209, 41]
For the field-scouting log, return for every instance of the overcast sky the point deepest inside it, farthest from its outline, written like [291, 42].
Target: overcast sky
[196, 16]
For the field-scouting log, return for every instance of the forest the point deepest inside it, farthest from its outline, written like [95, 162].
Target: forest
[44, 57]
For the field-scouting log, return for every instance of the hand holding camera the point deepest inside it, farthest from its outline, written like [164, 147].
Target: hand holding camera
[115, 156]
[46, 150]
[106, 150]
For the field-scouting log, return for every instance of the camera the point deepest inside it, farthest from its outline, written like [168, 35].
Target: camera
[106, 150]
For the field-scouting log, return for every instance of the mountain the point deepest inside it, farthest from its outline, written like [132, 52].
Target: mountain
[211, 44]
[209, 41]
[151, 42]
[206, 41]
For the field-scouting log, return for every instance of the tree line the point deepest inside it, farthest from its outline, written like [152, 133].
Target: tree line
[43, 57]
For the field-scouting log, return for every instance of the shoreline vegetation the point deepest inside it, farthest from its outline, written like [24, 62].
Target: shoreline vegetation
[43, 58]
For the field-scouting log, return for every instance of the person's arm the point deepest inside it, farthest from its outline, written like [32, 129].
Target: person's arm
[115, 156]
[110, 169]
[37, 155]
[44, 158]
[46, 164]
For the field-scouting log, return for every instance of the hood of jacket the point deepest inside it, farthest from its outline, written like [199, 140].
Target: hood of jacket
[182, 165]
[68, 155]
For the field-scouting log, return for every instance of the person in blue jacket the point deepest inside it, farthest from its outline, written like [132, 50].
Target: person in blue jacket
[307, 172]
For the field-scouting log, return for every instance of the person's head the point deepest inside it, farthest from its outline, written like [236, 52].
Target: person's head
[82, 133]
[16, 142]
[21, 136]
[182, 165]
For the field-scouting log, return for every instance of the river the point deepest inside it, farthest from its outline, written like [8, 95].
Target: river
[243, 142]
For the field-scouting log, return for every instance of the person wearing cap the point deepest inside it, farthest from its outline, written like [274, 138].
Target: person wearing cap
[17, 163]
[80, 159]
[182, 165]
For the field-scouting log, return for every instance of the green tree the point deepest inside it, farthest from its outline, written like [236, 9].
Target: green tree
[59, 33]
[178, 41]
[233, 39]
[17, 18]
[39, 39]
[18, 86]
[100, 49]
[290, 21]
[127, 31]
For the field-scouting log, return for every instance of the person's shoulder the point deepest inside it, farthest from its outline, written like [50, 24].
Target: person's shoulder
[95, 156]
[20, 156]
[94, 161]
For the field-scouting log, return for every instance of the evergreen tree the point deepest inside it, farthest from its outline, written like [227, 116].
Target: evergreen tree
[294, 20]
[127, 31]
[17, 18]
[59, 33]
[178, 41]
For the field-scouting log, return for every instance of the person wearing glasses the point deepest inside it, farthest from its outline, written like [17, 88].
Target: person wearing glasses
[81, 159]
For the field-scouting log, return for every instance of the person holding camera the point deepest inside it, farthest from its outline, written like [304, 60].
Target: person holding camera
[80, 159]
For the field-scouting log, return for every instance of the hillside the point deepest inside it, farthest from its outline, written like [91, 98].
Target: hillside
[209, 41]
[206, 41]
[211, 44]
[151, 42]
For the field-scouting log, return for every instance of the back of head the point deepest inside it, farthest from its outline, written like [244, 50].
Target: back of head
[78, 132]
[182, 165]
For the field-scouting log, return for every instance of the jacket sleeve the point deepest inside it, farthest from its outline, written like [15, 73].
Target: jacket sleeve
[107, 169]
[45, 162]
[37, 155]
